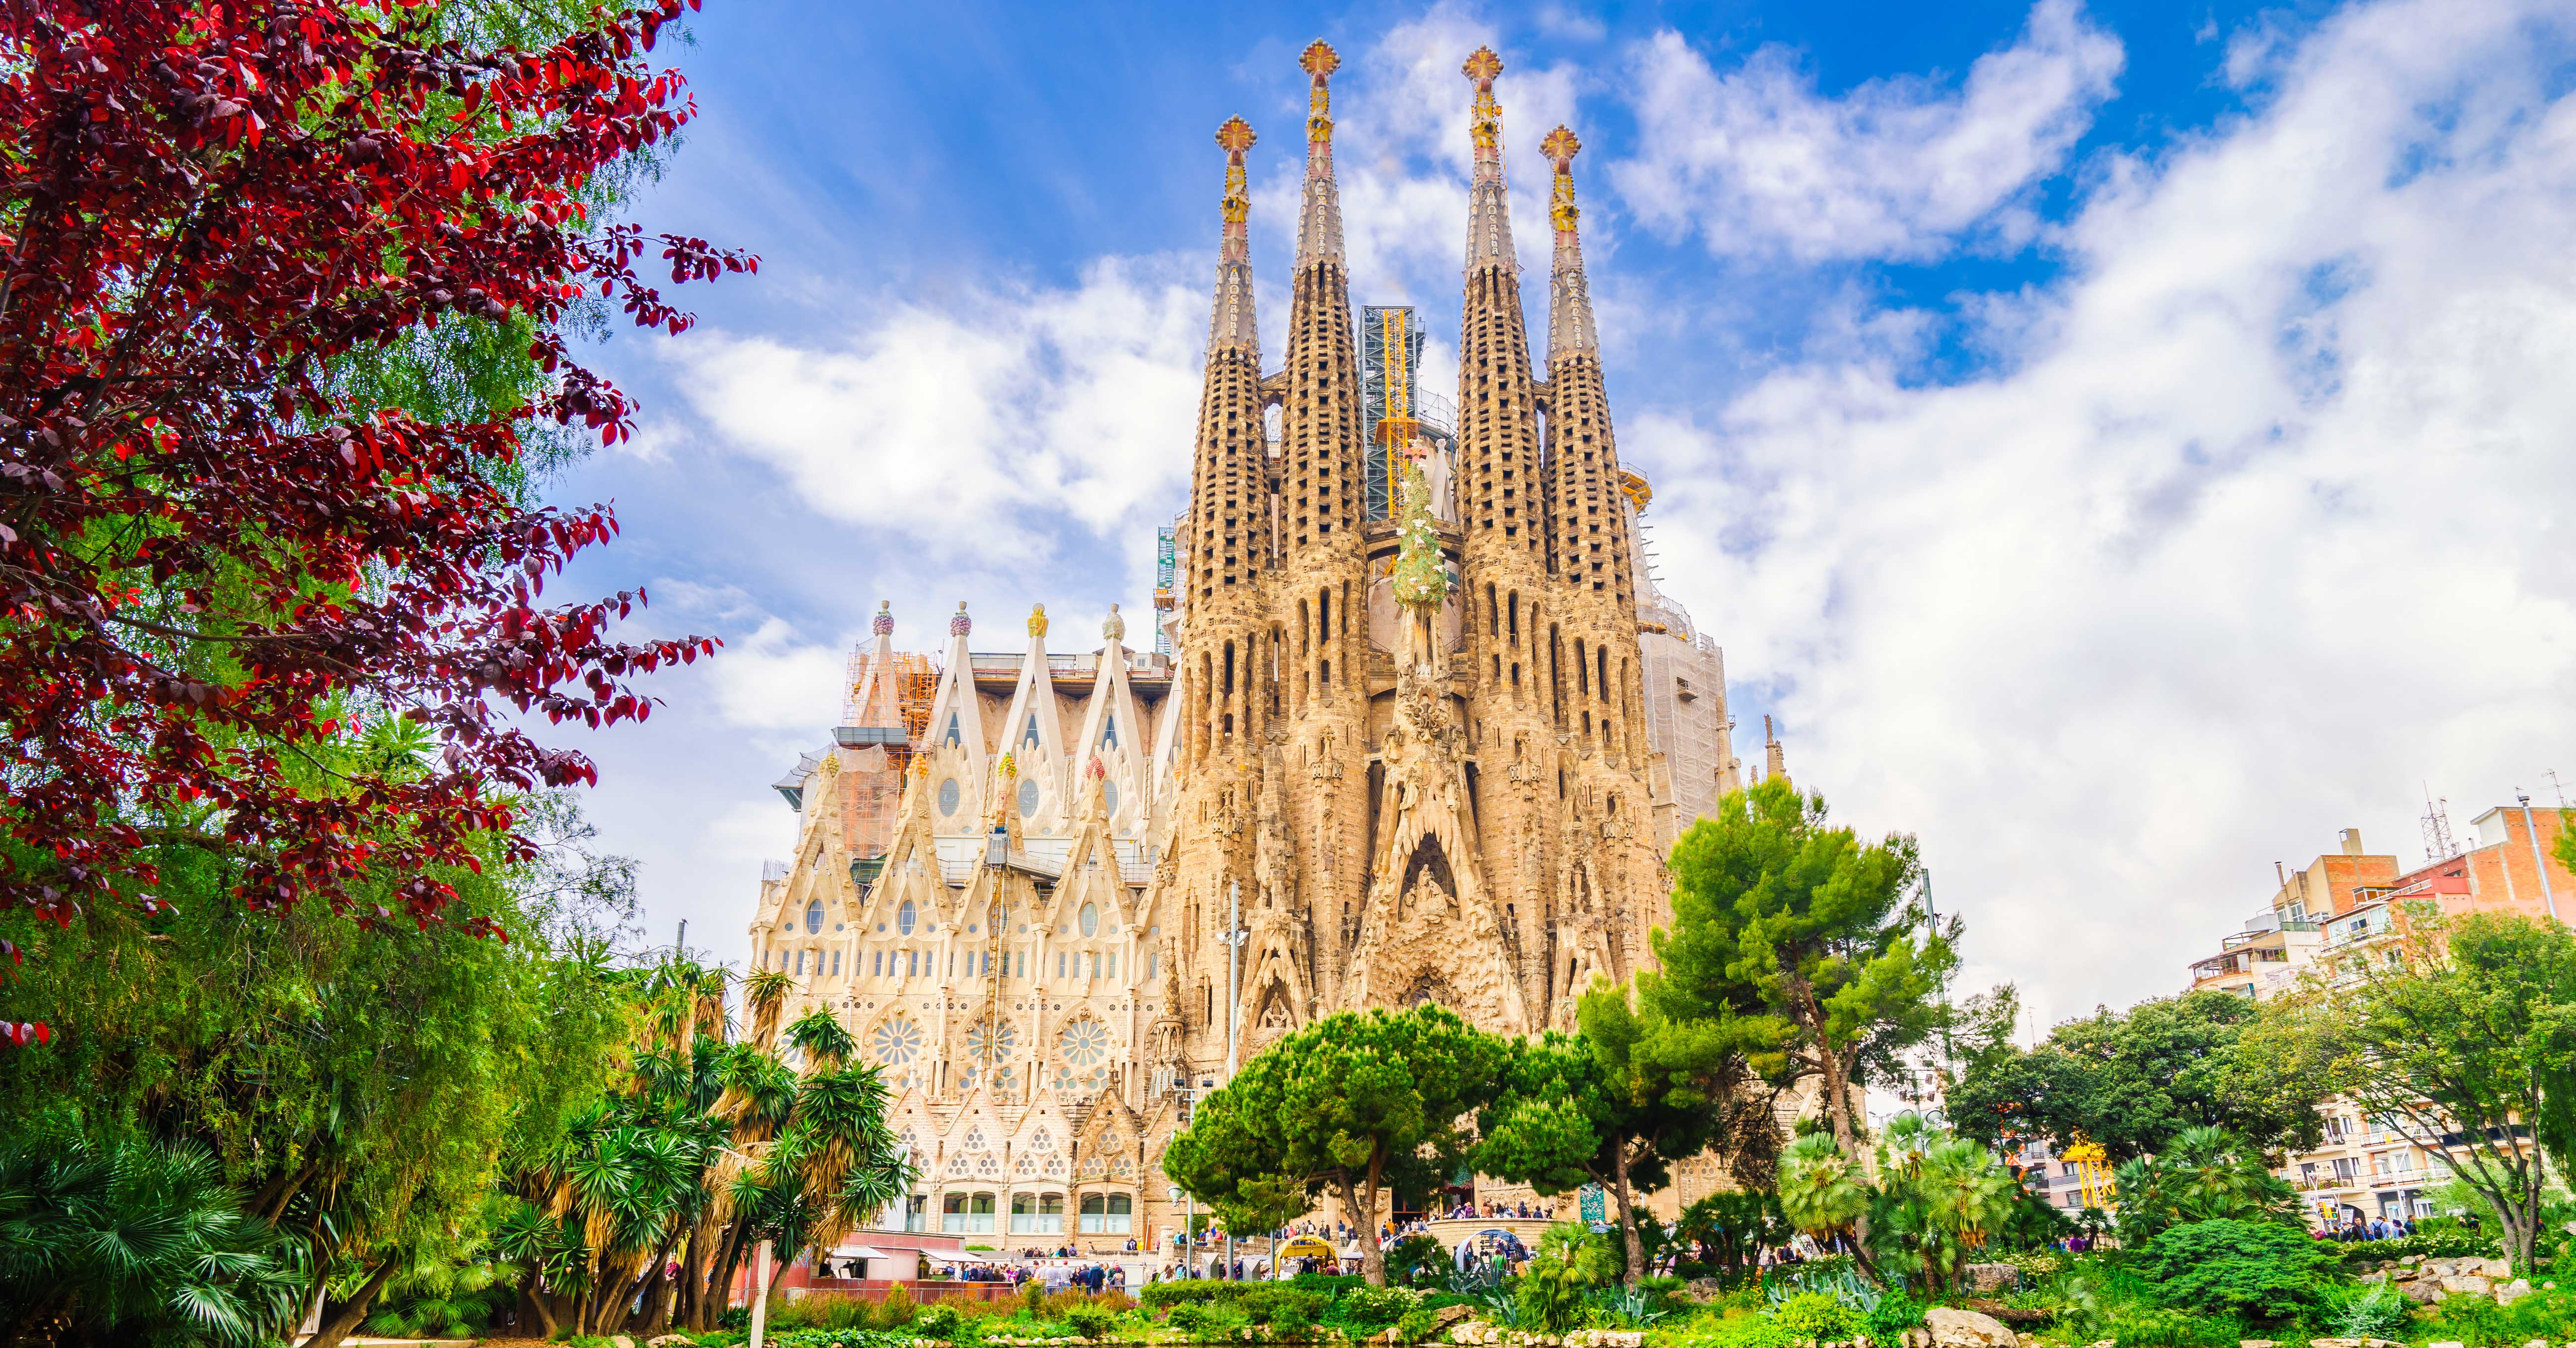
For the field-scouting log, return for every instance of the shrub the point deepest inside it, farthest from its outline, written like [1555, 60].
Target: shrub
[2449, 1243]
[1418, 1261]
[1720, 1330]
[1092, 1320]
[1207, 1320]
[897, 1310]
[1375, 1307]
[940, 1321]
[1895, 1313]
[2375, 1312]
[1815, 1315]
[2259, 1269]
[1165, 1295]
[1274, 1303]
[2141, 1326]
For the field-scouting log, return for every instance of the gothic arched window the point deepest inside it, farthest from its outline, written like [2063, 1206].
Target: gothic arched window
[814, 916]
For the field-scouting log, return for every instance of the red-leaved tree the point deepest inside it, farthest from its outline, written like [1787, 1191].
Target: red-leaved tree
[215, 568]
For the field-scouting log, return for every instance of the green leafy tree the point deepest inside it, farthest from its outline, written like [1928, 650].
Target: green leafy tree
[2134, 1080]
[361, 1087]
[1616, 1105]
[1806, 940]
[1358, 1104]
[2456, 1036]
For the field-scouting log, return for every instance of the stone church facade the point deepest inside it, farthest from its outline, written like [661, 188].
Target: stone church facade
[1057, 896]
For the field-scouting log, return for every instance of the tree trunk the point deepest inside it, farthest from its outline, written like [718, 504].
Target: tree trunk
[337, 1325]
[693, 1272]
[727, 1265]
[655, 1288]
[1364, 1221]
[540, 1304]
[1627, 1214]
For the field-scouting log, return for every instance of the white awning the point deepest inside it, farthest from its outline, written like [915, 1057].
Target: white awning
[860, 1252]
[954, 1257]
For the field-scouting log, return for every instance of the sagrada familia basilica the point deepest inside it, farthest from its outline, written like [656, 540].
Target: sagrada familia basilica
[1427, 734]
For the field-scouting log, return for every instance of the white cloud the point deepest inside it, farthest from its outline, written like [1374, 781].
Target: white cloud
[973, 426]
[1756, 161]
[2263, 521]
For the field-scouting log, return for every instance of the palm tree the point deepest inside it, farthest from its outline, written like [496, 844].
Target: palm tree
[1822, 1191]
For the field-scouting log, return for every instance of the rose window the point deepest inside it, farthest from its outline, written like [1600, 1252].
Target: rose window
[896, 1042]
[1001, 1039]
[1086, 1042]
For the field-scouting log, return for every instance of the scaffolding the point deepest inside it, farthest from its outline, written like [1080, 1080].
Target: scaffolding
[1164, 559]
[1394, 406]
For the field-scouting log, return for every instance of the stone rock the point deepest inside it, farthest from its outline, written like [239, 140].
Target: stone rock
[2334, 1343]
[1449, 1315]
[1704, 1290]
[2257, 1343]
[2468, 1282]
[1953, 1328]
[2412, 1260]
[1992, 1277]
[2372, 1278]
[2439, 1343]
[620, 1341]
[2422, 1291]
[2494, 1268]
[668, 1339]
[2513, 1291]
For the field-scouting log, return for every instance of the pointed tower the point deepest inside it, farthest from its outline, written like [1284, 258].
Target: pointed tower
[1321, 589]
[1589, 542]
[1229, 523]
[1222, 695]
[1502, 517]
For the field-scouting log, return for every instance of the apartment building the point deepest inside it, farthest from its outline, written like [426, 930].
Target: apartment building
[2346, 909]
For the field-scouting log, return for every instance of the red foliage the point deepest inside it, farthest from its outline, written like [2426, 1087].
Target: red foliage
[207, 202]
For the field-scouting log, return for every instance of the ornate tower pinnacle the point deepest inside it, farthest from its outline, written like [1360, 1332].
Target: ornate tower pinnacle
[1232, 324]
[1319, 221]
[1569, 300]
[1489, 221]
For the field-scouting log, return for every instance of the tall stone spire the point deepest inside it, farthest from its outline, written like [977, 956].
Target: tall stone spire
[1497, 412]
[1229, 521]
[1489, 210]
[1319, 219]
[1569, 301]
[1232, 325]
[1590, 534]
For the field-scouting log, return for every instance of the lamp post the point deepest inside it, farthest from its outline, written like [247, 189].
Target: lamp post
[1234, 938]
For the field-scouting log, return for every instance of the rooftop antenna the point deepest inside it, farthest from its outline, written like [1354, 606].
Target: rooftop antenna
[2557, 786]
[2438, 844]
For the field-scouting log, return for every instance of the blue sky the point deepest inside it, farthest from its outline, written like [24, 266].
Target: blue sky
[2123, 443]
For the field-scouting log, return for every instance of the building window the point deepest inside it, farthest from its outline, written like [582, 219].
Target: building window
[966, 1214]
[948, 793]
[1028, 796]
[904, 918]
[1107, 1214]
[1109, 795]
[800, 963]
[836, 964]
[876, 963]
[911, 963]
[915, 1213]
[1037, 1214]
[1113, 964]
[1059, 964]
[1090, 919]
[814, 917]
